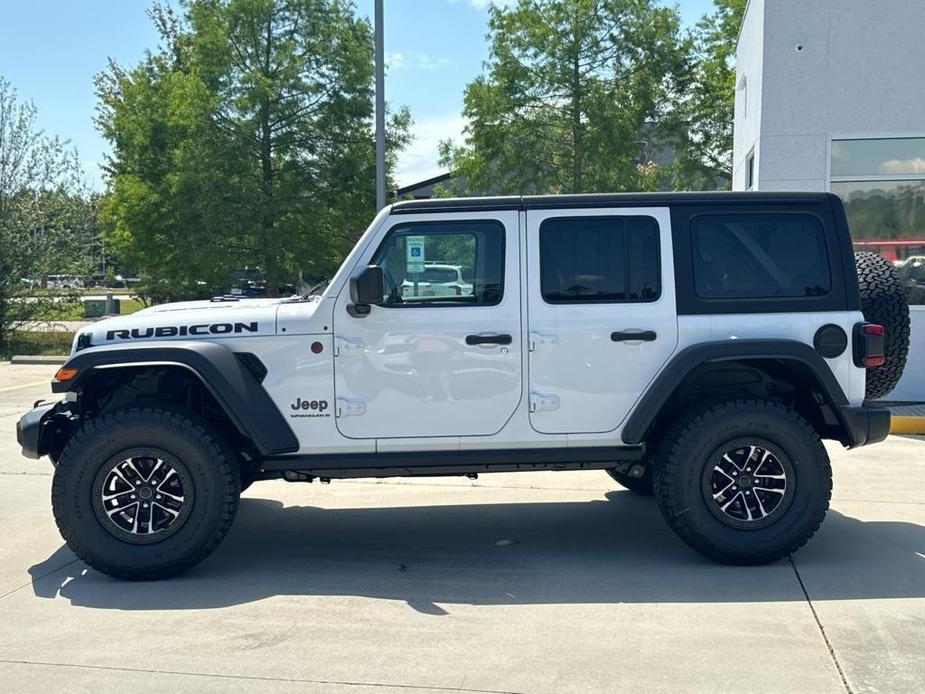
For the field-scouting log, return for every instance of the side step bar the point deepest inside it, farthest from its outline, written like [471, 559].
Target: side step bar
[413, 463]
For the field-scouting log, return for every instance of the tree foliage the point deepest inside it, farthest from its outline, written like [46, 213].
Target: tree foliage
[245, 139]
[46, 217]
[573, 98]
[706, 115]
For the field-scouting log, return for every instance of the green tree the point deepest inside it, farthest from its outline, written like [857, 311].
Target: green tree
[573, 99]
[705, 116]
[245, 140]
[46, 220]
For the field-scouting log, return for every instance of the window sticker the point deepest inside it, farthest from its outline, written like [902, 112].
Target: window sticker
[415, 258]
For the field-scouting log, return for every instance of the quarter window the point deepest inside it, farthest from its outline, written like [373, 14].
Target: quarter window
[599, 260]
[443, 263]
[759, 256]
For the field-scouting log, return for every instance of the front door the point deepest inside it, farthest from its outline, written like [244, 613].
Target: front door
[441, 354]
[602, 319]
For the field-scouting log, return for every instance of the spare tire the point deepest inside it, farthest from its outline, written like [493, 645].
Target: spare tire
[883, 301]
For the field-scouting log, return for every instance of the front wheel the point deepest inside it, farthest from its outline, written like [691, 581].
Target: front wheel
[743, 482]
[145, 493]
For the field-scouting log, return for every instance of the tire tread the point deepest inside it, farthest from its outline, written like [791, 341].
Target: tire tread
[679, 438]
[209, 442]
[883, 301]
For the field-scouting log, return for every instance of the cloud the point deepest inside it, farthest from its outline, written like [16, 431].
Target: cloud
[409, 60]
[418, 161]
[903, 166]
[483, 4]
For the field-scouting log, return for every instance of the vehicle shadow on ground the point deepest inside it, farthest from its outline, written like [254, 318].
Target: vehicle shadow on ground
[430, 557]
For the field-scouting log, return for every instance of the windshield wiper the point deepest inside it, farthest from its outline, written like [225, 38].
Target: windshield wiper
[318, 287]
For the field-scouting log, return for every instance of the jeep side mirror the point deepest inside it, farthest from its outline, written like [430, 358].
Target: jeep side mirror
[366, 289]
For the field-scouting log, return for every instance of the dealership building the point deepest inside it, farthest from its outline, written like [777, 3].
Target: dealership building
[830, 95]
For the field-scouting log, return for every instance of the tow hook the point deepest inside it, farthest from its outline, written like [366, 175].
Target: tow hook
[637, 471]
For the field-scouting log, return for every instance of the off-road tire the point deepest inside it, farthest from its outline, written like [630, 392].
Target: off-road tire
[213, 470]
[692, 443]
[639, 485]
[883, 301]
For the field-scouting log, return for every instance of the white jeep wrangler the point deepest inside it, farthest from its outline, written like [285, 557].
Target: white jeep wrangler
[698, 346]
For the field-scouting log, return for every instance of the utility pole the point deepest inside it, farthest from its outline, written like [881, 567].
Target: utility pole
[380, 109]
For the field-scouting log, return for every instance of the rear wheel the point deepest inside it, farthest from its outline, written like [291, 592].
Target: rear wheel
[145, 493]
[743, 482]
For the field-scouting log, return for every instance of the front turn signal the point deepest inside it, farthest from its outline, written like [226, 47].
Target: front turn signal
[65, 373]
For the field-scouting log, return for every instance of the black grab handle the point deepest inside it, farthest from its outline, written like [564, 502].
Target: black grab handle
[489, 339]
[643, 336]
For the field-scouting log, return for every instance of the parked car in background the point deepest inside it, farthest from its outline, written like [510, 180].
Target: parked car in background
[437, 279]
[912, 273]
[255, 288]
[121, 281]
[64, 282]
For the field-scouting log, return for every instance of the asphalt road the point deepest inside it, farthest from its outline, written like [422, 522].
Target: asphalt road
[539, 582]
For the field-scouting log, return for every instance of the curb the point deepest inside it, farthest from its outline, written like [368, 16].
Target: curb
[37, 359]
[902, 424]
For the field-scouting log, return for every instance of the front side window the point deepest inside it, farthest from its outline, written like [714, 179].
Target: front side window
[599, 260]
[754, 256]
[443, 263]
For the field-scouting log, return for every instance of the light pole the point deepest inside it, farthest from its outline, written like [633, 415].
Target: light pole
[380, 109]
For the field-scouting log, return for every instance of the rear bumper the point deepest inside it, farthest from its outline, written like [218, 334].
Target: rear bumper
[864, 425]
[31, 427]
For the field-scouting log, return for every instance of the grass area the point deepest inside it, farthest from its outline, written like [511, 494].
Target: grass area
[127, 306]
[54, 343]
[74, 310]
[20, 342]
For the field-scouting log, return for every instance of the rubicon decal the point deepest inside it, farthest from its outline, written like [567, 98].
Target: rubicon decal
[182, 330]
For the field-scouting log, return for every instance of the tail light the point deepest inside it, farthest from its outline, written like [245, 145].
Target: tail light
[869, 345]
[458, 291]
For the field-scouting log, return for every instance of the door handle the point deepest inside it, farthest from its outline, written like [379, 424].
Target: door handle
[628, 336]
[489, 339]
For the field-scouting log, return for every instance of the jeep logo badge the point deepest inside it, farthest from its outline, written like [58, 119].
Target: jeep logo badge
[309, 408]
[300, 404]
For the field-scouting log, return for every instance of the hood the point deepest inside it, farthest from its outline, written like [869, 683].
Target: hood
[229, 306]
[188, 320]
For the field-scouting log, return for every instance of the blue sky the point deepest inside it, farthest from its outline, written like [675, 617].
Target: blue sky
[50, 50]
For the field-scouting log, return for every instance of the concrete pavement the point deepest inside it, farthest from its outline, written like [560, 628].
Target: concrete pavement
[537, 582]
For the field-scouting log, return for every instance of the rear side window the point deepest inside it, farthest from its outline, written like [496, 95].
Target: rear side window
[755, 256]
[599, 260]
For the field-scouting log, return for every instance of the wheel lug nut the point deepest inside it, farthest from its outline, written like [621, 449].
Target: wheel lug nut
[734, 473]
[133, 496]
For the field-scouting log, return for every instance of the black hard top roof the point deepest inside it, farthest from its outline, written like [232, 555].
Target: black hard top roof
[547, 202]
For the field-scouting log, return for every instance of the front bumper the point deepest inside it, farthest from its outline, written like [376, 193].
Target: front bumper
[864, 425]
[32, 430]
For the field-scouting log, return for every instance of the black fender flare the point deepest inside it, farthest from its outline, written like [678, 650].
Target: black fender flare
[685, 361]
[234, 386]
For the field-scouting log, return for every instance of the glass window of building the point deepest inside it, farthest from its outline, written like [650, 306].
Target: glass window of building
[882, 184]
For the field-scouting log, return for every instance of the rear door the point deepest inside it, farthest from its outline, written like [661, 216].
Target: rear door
[602, 319]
